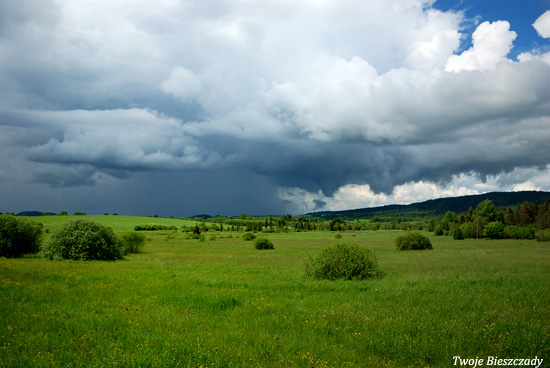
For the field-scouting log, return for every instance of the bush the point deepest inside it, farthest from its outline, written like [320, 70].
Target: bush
[438, 230]
[149, 227]
[132, 241]
[342, 261]
[458, 235]
[263, 243]
[83, 240]
[494, 230]
[412, 241]
[543, 235]
[18, 236]
[249, 236]
[338, 236]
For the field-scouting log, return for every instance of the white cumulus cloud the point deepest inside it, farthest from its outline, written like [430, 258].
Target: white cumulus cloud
[491, 43]
[542, 24]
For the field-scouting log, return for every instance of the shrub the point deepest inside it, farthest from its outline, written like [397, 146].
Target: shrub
[543, 235]
[338, 236]
[249, 236]
[458, 235]
[528, 232]
[467, 230]
[342, 261]
[149, 227]
[132, 241]
[18, 236]
[263, 243]
[79, 213]
[438, 230]
[494, 230]
[412, 241]
[513, 232]
[83, 240]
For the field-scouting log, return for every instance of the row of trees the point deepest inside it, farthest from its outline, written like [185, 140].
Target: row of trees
[487, 221]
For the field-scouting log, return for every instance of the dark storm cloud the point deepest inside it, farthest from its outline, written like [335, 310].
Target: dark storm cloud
[230, 98]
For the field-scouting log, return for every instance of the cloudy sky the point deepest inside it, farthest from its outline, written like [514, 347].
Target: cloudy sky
[183, 107]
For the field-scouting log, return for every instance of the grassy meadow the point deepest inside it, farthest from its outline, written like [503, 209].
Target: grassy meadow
[222, 303]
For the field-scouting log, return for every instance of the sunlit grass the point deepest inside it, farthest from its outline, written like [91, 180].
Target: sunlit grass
[222, 303]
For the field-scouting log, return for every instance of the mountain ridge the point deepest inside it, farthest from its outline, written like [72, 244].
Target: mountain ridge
[438, 206]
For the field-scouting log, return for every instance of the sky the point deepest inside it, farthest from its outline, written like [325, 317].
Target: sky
[185, 107]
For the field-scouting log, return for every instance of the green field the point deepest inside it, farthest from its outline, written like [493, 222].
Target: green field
[221, 303]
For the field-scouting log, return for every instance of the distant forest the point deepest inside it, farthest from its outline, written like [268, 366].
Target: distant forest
[491, 215]
[438, 207]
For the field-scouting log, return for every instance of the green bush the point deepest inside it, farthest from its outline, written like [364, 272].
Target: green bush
[338, 236]
[83, 240]
[132, 241]
[412, 241]
[342, 261]
[153, 227]
[263, 243]
[438, 230]
[18, 236]
[494, 230]
[458, 235]
[249, 236]
[543, 235]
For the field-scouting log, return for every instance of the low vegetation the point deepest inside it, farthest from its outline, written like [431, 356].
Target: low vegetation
[83, 240]
[342, 261]
[413, 241]
[18, 236]
[132, 242]
[262, 243]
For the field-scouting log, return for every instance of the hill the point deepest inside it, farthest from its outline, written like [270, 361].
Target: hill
[32, 213]
[438, 207]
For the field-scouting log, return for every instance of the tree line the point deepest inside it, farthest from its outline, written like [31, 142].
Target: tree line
[487, 221]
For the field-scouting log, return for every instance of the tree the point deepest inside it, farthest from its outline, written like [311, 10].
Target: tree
[196, 229]
[478, 224]
[487, 211]
[526, 213]
[494, 230]
[18, 236]
[457, 235]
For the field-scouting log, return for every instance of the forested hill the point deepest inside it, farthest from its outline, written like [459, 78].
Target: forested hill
[438, 207]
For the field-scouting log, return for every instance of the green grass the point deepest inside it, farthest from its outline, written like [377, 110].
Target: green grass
[223, 303]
